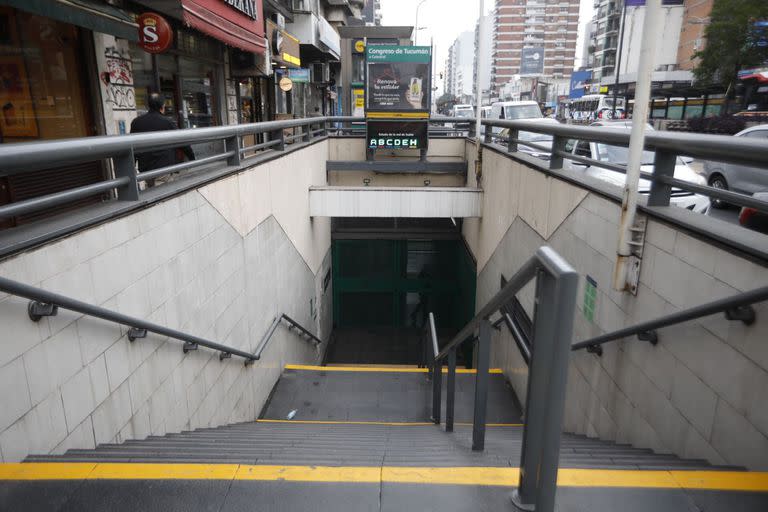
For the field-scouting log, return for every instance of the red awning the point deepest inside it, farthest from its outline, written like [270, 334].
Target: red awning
[207, 17]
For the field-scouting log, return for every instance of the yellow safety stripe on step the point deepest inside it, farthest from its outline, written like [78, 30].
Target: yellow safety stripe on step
[385, 423]
[478, 476]
[388, 369]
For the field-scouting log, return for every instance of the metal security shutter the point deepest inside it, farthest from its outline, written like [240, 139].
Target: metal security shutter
[39, 183]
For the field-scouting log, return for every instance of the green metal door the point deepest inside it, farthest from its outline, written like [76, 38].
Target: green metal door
[396, 283]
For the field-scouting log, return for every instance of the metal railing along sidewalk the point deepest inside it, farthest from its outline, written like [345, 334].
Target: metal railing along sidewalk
[556, 285]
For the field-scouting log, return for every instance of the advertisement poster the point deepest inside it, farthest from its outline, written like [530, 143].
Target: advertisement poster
[358, 102]
[398, 78]
[396, 134]
[532, 61]
[579, 83]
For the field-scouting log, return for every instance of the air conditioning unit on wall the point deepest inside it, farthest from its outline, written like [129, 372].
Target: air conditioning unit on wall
[319, 72]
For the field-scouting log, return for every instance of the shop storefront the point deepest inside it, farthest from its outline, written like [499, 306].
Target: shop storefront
[49, 88]
[284, 56]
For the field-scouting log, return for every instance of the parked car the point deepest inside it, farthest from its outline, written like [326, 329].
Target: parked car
[735, 177]
[540, 139]
[620, 155]
[514, 110]
[755, 219]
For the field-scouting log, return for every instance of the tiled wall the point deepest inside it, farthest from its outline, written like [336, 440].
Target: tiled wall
[71, 381]
[701, 392]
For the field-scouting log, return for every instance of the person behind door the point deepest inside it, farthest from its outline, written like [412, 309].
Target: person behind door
[154, 121]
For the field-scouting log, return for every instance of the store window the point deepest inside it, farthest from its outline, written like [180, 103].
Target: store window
[44, 95]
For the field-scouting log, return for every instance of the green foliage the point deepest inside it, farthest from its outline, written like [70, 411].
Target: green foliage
[730, 41]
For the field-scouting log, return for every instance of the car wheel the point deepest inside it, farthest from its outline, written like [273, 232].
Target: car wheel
[718, 181]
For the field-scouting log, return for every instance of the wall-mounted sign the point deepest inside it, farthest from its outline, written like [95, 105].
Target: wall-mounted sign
[155, 34]
[398, 78]
[359, 46]
[283, 46]
[358, 102]
[247, 7]
[532, 61]
[286, 84]
[396, 134]
[300, 75]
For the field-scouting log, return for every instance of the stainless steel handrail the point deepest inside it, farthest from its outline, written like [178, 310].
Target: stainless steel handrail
[44, 303]
[736, 307]
[273, 327]
[556, 285]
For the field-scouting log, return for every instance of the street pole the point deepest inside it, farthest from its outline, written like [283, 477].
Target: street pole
[416, 25]
[478, 86]
[637, 140]
[618, 57]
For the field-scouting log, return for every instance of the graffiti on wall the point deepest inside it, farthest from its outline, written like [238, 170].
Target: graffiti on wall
[118, 80]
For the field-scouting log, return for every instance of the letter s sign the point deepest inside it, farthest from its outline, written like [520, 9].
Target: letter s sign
[155, 34]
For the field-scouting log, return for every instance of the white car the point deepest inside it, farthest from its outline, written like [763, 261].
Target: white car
[619, 155]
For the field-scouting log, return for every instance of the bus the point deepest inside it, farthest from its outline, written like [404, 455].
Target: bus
[592, 107]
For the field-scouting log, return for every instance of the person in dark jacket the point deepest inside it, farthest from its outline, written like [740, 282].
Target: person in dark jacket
[154, 121]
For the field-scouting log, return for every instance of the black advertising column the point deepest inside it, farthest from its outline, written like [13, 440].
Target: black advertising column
[398, 97]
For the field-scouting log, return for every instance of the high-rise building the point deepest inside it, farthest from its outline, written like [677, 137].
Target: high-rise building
[372, 12]
[485, 81]
[459, 67]
[534, 38]
[692, 40]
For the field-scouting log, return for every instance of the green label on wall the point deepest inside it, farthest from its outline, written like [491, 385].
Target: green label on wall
[590, 295]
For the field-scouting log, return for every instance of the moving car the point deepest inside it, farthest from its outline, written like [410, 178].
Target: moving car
[539, 139]
[752, 218]
[514, 110]
[739, 178]
[620, 155]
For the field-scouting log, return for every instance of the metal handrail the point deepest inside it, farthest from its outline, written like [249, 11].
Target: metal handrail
[736, 307]
[556, 285]
[45, 303]
[666, 145]
[273, 327]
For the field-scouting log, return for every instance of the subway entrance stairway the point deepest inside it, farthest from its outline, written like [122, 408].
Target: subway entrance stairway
[359, 439]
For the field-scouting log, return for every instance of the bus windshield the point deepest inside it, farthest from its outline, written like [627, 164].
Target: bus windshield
[464, 112]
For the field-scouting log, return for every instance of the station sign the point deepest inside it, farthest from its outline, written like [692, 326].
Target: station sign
[396, 134]
[398, 79]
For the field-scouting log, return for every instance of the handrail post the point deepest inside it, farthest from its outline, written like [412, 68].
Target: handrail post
[125, 166]
[481, 385]
[545, 401]
[663, 165]
[558, 144]
[307, 133]
[514, 134]
[278, 134]
[450, 398]
[437, 380]
[230, 144]
[488, 136]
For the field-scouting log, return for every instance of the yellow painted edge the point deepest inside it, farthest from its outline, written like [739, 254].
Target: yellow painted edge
[330, 422]
[382, 369]
[481, 476]
[386, 423]
[344, 474]
[46, 470]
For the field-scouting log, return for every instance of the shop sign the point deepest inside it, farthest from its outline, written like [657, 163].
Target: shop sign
[398, 78]
[300, 75]
[396, 135]
[284, 46]
[155, 34]
[247, 7]
[286, 84]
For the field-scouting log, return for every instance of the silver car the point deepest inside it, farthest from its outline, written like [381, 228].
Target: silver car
[619, 155]
[735, 177]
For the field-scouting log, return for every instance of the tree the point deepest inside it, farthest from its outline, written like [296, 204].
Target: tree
[733, 42]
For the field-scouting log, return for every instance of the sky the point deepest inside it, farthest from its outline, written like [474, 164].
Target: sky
[443, 20]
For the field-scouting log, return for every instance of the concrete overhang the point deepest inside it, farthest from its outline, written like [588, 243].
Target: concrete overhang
[389, 202]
